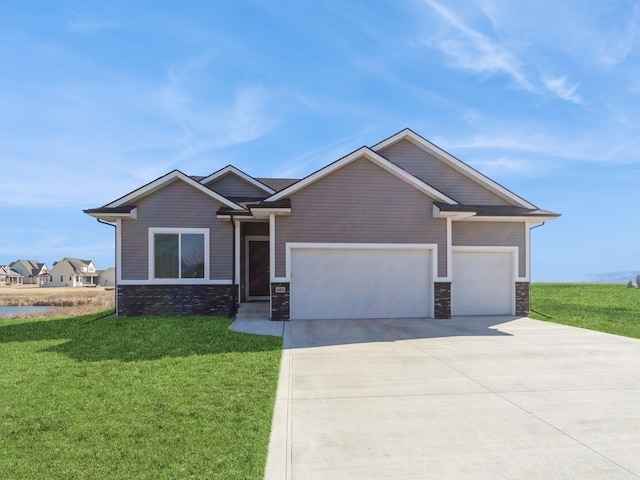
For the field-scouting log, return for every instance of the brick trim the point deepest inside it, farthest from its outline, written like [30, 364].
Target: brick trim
[135, 300]
[523, 293]
[442, 299]
[280, 306]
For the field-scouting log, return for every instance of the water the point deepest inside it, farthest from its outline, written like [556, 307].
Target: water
[10, 312]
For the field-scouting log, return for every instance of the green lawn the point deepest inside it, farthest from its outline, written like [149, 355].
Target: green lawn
[611, 308]
[123, 398]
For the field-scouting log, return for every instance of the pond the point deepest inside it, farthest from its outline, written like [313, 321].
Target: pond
[10, 312]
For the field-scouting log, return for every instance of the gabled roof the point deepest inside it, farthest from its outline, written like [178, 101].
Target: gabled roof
[32, 266]
[372, 156]
[453, 162]
[230, 169]
[6, 270]
[163, 181]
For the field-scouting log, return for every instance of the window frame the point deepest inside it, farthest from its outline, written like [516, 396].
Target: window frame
[178, 231]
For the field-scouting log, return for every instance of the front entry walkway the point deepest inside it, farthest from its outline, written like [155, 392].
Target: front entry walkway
[253, 317]
[482, 398]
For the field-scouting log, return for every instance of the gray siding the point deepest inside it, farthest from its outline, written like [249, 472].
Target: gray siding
[230, 185]
[439, 175]
[177, 205]
[360, 203]
[490, 234]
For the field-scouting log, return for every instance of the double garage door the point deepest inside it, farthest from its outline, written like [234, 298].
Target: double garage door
[361, 282]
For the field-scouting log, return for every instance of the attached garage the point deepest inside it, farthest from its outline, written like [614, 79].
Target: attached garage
[483, 282]
[341, 281]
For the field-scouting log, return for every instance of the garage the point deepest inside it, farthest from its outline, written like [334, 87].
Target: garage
[361, 281]
[483, 283]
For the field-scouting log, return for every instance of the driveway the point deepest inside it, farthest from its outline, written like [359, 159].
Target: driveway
[477, 398]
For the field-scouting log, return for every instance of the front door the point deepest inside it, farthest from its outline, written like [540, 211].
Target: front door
[257, 268]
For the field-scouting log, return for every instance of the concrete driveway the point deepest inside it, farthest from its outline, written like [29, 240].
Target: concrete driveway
[477, 398]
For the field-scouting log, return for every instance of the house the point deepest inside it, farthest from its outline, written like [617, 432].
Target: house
[73, 272]
[107, 278]
[399, 229]
[10, 277]
[34, 272]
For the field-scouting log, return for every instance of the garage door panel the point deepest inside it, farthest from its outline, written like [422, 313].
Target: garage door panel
[360, 283]
[482, 283]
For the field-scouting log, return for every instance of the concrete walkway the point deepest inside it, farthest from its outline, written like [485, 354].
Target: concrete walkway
[482, 398]
[253, 317]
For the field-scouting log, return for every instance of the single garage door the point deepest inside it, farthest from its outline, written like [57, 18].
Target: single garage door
[482, 283]
[361, 282]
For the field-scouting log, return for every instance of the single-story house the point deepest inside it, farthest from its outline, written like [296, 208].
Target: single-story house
[34, 272]
[74, 272]
[400, 229]
[10, 277]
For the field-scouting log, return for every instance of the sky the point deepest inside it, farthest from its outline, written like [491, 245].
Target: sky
[100, 98]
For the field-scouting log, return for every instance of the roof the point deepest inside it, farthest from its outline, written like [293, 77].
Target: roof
[6, 270]
[32, 266]
[278, 184]
[278, 189]
[496, 211]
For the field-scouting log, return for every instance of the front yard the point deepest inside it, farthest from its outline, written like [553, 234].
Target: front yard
[611, 308]
[124, 398]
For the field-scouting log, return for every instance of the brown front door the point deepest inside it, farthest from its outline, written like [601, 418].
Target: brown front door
[258, 269]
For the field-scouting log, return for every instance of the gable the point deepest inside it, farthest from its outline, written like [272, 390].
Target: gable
[159, 184]
[177, 205]
[434, 171]
[231, 185]
[367, 155]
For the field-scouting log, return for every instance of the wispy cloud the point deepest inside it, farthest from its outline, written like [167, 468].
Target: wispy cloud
[620, 42]
[472, 50]
[558, 86]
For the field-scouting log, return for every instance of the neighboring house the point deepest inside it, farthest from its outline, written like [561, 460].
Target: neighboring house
[400, 229]
[10, 277]
[107, 278]
[73, 272]
[34, 272]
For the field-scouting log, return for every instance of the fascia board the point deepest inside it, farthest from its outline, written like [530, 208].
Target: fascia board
[236, 171]
[364, 152]
[457, 164]
[161, 182]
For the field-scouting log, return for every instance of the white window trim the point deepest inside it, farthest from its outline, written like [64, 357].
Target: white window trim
[207, 273]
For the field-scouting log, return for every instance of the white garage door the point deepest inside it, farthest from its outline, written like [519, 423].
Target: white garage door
[482, 283]
[360, 283]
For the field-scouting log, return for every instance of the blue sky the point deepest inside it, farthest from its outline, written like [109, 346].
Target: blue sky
[99, 98]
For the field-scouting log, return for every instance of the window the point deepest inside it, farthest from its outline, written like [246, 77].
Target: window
[178, 253]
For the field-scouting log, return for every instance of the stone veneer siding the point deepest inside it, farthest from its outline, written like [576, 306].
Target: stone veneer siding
[280, 302]
[136, 300]
[442, 299]
[522, 298]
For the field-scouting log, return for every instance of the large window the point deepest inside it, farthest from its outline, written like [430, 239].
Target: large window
[178, 253]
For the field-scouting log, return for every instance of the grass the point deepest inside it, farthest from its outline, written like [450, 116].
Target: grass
[611, 308]
[145, 398]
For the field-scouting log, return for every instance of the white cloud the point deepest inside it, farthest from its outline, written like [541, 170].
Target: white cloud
[474, 51]
[619, 43]
[558, 86]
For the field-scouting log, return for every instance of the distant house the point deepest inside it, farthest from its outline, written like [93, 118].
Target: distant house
[34, 272]
[9, 276]
[107, 277]
[74, 272]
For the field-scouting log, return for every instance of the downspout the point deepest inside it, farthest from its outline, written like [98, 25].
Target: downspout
[115, 279]
[234, 293]
[536, 226]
